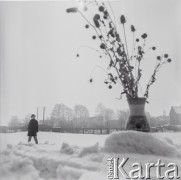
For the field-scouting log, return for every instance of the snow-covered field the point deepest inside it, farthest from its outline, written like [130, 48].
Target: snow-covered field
[82, 157]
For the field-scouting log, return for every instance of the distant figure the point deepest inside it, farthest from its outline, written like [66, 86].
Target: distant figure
[33, 129]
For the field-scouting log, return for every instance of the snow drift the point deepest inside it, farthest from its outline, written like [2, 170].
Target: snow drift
[138, 143]
[66, 161]
[39, 162]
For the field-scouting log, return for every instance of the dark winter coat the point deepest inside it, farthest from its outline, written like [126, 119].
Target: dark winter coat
[33, 127]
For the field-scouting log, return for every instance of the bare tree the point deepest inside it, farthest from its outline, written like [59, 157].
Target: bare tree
[69, 114]
[81, 112]
[58, 112]
[81, 115]
[27, 118]
[14, 121]
[109, 113]
[100, 111]
[61, 114]
[104, 113]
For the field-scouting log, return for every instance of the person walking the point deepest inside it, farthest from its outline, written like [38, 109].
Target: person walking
[33, 129]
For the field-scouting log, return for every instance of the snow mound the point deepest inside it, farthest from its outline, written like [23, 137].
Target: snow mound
[138, 143]
[45, 162]
[68, 173]
[14, 167]
[90, 150]
[66, 149]
[67, 161]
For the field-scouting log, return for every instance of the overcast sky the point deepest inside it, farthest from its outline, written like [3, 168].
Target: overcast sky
[38, 46]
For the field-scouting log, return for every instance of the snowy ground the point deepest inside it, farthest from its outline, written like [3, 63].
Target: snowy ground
[82, 157]
[53, 138]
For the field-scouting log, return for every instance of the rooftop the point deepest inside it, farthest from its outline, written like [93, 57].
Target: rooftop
[176, 109]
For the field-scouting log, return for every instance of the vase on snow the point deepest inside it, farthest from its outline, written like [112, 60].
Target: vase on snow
[137, 119]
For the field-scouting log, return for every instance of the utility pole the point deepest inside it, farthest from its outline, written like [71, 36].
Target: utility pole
[43, 114]
[37, 113]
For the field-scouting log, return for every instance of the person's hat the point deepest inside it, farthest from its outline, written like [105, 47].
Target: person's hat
[33, 115]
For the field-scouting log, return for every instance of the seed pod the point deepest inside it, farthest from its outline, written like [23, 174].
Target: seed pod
[169, 60]
[105, 17]
[102, 46]
[133, 28]
[106, 13]
[110, 87]
[93, 37]
[72, 10]
[122, 19]
[97, 17]
[101, 8]
[158, 58]
[96, 23]
[144, 36]
[165, 55]
[86, 26]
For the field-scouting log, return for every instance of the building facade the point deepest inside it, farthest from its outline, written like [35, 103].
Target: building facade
[175, 115]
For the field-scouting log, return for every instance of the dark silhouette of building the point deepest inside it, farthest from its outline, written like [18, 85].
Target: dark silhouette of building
[3, 129]
[175, 115]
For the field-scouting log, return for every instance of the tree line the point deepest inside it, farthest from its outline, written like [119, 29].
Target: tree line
[79, 116]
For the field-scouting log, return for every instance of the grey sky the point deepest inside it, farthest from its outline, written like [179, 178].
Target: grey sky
[38, 46]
